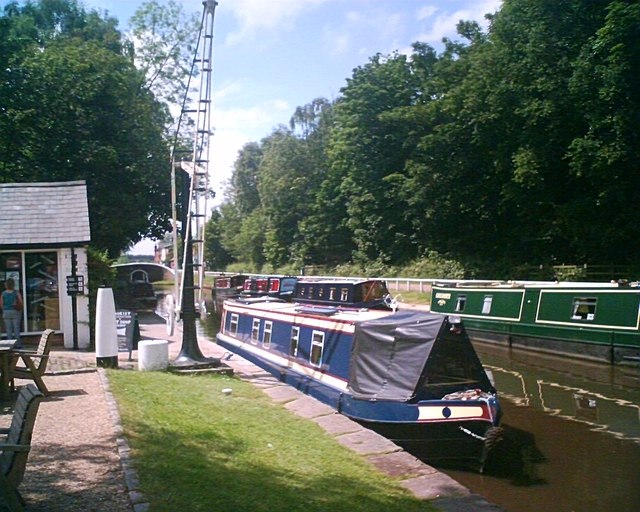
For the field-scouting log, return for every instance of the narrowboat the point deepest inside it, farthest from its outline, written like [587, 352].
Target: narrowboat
[282, 287]
[226, 286]
[596, 321]
[412, 376]
[356, 293]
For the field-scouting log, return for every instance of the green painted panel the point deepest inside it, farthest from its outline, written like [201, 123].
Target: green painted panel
[480, 303]
[608, 308]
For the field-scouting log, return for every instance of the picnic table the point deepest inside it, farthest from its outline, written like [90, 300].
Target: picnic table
[8, 360]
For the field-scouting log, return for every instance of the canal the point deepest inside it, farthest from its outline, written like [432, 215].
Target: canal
[572, 434]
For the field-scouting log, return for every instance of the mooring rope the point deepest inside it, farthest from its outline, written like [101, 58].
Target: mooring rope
[472, 434]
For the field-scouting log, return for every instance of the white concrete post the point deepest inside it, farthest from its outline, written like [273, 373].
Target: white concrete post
[106, 331]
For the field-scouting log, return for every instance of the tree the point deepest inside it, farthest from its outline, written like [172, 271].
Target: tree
[243, 186]
[73, 108]
[241, 213]
[216, 256]
[491, 169]
[285, 185]
[366, 150]
[165, 39]
[601, 221]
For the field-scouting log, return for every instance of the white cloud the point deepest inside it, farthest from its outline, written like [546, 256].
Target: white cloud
[252, 119]
[380, 28]
[337, 43]
[443, 24]
[257, 16]
[426, 12]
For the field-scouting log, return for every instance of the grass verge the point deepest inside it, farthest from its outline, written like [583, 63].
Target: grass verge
[197, 449]
[411, 297]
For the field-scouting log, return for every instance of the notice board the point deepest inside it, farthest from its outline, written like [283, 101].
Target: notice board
[128, 330]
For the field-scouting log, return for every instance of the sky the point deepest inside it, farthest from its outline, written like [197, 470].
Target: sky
[271, 56]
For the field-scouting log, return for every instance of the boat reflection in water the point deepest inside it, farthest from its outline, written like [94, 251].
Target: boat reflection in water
[572, 434]
[596, 397]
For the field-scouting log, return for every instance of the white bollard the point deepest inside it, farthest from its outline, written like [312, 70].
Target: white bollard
[106, 331]
[153, 355]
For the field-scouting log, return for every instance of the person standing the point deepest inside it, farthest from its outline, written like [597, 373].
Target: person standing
[11, 304]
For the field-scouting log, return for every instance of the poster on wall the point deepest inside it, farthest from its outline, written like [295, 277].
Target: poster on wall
[15, 276]
[13, 262]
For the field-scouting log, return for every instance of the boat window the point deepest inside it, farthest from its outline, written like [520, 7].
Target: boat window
[255, 331]
[461, 302]
[266, 336]
[317, 346]
[320, 292]
[295, 338]
[344, 294]
[274, 285]
[584, 308]
[374, 290]
[332, 294]
[301, 291]
[311, 288]
[486, 305]
[233, 327]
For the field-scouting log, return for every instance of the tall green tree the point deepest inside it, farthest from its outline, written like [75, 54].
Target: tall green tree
[215, 254]
[164, 37]
[366, 149]
[243, 186]
[286, 183]
[241, 223]
[491, 170]
[72, 108]
[323, 235]
[601, 222]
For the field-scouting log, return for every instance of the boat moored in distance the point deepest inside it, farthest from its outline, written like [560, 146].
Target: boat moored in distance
[282, 287]
[597, 321]
[354, 293]
[412, 376]
[226, 286]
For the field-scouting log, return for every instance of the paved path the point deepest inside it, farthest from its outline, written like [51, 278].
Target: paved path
[80, 459]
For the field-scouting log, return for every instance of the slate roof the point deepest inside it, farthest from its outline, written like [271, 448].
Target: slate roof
[44, 214]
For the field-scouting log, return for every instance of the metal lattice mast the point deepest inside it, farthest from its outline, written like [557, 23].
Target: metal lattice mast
[199, 172]
[197, 167]
[195, 174]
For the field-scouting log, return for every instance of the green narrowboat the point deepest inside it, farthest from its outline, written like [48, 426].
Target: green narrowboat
[598, 321]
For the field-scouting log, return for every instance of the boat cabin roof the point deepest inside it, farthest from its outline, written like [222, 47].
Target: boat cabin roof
[268, 305]
[559, 285]
[359, 293]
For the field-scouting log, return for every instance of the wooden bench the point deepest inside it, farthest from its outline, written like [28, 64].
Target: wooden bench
[14, 450]
[35, 363]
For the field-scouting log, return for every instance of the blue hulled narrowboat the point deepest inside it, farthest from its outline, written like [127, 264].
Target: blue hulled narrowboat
[412, 376]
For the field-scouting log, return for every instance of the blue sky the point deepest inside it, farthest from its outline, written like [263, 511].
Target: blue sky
[271, 56]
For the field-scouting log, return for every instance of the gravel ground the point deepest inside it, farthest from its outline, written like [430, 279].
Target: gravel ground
[74, 463]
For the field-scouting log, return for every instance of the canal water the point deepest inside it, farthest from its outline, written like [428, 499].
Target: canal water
[572, 434]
